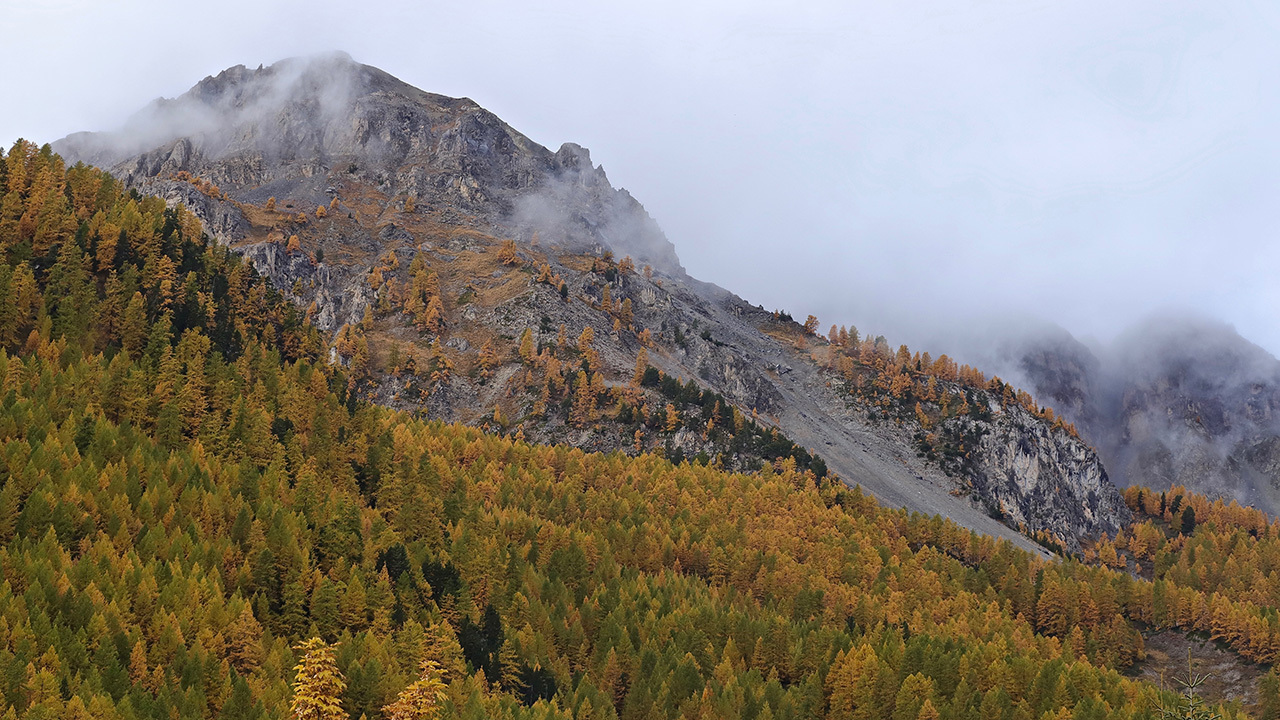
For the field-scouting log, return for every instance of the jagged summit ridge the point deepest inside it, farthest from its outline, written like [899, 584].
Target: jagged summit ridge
[266, 132]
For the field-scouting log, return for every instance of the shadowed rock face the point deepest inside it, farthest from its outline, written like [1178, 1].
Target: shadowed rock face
[289, 129]
[1066, 371]
[1175, 401]
[308, 132]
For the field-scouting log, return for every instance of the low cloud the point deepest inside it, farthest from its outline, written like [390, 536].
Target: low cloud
[216, 108]
[576, 207]
[911, 170]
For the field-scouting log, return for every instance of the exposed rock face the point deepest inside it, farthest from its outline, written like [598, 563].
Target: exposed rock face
[355, 140]
[1026, 469]
[222, 220]
[1175, 401]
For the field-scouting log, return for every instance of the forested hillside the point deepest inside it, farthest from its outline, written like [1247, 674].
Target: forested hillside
[189, 494]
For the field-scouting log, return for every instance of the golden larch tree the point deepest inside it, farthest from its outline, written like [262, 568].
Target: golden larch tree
[584, 402]
[488, 360]
[526, 347]
[508, 254]
[642, 363]
[423, 699]
[433, 316]
[317, 685]
[244, 638]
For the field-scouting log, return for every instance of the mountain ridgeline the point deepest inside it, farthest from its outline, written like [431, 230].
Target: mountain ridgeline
[464, 271]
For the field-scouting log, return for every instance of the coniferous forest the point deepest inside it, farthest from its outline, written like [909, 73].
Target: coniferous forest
[201, 519]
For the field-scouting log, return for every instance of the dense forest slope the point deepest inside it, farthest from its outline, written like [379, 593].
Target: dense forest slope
[189, 490]
[466, 271]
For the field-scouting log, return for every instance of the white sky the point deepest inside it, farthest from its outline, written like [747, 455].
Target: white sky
[911, 167]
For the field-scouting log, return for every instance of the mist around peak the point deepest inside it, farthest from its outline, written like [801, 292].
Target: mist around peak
[1177, 399]
[301, 125]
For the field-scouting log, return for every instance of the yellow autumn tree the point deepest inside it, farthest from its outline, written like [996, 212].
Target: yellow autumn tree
[672, 419]
[923, 418]
[442, 365]
[423, 699]
[508, 254]
[433, 316]
[244, 638]
[589, 353]
[317, 685]
[526, 348]
[584, 402]
[488, 360]
[642, 363]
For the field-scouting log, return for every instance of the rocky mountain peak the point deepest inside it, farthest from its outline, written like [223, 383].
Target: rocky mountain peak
[574, 163]
[292, 129]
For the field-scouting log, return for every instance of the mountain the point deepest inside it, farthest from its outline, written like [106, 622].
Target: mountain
[466, 272]
[196, 507]
[1176, 400]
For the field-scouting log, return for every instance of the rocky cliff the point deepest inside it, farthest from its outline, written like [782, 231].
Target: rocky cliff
[1025, 469]
[457, 264]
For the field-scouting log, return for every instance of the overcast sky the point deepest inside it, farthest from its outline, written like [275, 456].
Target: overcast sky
[911, 167]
